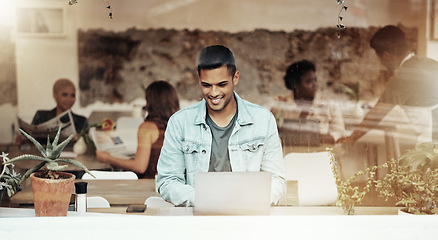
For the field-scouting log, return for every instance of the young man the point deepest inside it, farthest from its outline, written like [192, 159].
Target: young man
[220, 133]
[413, 86]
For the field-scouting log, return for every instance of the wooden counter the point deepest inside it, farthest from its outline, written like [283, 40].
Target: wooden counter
[275, 211]
[117, 192]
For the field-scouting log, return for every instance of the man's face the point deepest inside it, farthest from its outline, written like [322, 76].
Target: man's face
[65, 98]
[308, 86]
[390, 61]
[217, 87]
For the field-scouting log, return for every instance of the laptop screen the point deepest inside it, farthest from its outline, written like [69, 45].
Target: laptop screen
[232, 193]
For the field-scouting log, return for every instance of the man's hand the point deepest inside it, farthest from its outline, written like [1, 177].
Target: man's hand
[370, 121]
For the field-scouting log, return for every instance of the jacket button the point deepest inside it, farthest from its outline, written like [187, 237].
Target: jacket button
[187, 149]
[203, 151]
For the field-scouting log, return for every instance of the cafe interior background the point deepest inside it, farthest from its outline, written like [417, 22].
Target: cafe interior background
[110, 49]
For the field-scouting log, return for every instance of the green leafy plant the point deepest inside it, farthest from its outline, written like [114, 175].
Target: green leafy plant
[9, 179]
[413, 180]
[349, 195]
[49, 157]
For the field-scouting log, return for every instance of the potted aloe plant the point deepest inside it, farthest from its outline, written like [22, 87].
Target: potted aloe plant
[51, 186]
[413, 180]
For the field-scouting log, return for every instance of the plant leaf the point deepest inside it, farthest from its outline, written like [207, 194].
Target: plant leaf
[55, 141]
[27, 157]
[422, 157]
[53, 166]
[58, 149]
[30, 171]
[75, 163]
[89, 142]
[346, 89]
[35, 142]
[49, 145]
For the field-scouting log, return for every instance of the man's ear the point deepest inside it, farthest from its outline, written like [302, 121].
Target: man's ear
[236, 78]
[386, 56]
[389, 60]
[199, 76]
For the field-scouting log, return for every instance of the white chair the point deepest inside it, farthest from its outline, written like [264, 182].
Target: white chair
[109, 175]
[97, 202]
[316, 183]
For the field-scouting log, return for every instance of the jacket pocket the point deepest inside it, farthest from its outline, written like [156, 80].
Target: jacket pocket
[251, 153]
[252, 146]
[192, 156]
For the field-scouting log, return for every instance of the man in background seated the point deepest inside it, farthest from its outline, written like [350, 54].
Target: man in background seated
[413, 86]
[222, 133]
[64, 94]
[304, 113]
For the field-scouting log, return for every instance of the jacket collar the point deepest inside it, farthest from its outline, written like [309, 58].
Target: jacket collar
[244, 117]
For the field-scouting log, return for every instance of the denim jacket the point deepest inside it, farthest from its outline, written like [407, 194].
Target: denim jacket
[254, 145]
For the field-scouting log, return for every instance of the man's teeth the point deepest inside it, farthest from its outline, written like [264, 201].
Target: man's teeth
[215, 100]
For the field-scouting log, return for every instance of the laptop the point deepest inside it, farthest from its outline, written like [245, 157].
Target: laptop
[232, 193]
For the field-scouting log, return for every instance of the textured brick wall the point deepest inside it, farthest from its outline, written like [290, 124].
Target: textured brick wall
[8, 76]
[114, 66]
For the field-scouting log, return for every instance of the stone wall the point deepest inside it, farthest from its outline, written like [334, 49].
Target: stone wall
[114, 67]
[8, 75]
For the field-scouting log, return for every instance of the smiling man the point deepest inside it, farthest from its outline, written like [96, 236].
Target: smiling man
[222, 133]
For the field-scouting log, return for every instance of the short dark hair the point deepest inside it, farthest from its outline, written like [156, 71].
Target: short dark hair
[161, 101]
[390, 39]
[216, 56]
[295, 72]
[62, 83]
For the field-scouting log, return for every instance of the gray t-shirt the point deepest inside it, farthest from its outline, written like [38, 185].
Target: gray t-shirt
[220, 158]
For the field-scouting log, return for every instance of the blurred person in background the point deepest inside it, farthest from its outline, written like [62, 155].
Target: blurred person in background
[304, 104]
[64, 94]
[161, 102]
[413, 86]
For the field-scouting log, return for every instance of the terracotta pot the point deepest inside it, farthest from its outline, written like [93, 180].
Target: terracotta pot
[52, 196]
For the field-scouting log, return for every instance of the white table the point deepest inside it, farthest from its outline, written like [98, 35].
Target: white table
[123, 226]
